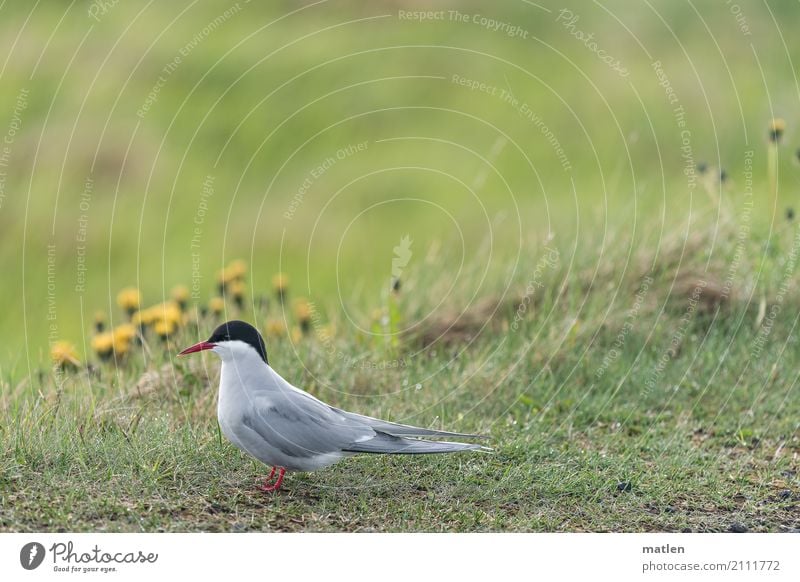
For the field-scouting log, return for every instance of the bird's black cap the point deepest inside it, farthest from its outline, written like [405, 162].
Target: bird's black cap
[242, 331]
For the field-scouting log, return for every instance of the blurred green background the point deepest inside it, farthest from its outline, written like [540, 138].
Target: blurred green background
[483, 130]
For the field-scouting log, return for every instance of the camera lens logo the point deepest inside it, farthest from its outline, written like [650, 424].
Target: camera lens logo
[31, 555]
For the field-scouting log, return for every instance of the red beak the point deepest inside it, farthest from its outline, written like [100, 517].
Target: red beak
[197, 348]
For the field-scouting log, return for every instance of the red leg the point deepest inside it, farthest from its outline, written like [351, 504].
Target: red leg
[277, 485]
[268, 479]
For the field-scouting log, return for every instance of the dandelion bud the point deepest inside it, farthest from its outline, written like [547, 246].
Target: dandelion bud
[216, 306]
[236, 291]
[180, 295]
[302, 312]
[280, 283]
[99, 321]
[776, 128]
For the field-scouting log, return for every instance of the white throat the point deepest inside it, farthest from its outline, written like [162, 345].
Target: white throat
[243, 371]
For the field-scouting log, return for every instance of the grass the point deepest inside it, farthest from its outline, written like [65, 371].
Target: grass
[586, 438]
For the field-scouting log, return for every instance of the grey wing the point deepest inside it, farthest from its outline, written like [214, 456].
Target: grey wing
[301, 426]
[395, 429]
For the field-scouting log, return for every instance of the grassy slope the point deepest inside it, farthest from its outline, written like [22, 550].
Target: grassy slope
[712, 446]
[87, 79]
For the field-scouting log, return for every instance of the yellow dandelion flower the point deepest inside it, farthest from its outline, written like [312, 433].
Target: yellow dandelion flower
[124, 333]
[108, 344]
[172, 312]
[236, 270]
[129, 300]
[180, 295]
[280, 282]
[143, 317]
[169, 310]
[103, 345]
[236, 291]
[216, 305]
[120, 346]
[276, 328]
[302, 308]
[64, 354]
[164, 328]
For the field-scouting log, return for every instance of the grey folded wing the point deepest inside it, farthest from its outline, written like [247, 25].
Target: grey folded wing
[395, 429]
[301, 426]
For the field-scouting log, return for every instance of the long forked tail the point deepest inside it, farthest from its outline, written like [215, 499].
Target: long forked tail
[392, 445]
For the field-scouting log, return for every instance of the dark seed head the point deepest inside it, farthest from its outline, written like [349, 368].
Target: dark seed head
[776, 129]
[624, 486]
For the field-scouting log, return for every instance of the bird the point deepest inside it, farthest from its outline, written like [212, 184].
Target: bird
[287, 428]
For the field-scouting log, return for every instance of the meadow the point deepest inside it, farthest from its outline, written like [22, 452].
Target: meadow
[569, 229]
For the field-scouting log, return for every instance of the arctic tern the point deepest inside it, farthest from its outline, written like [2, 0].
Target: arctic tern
[289, 429]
